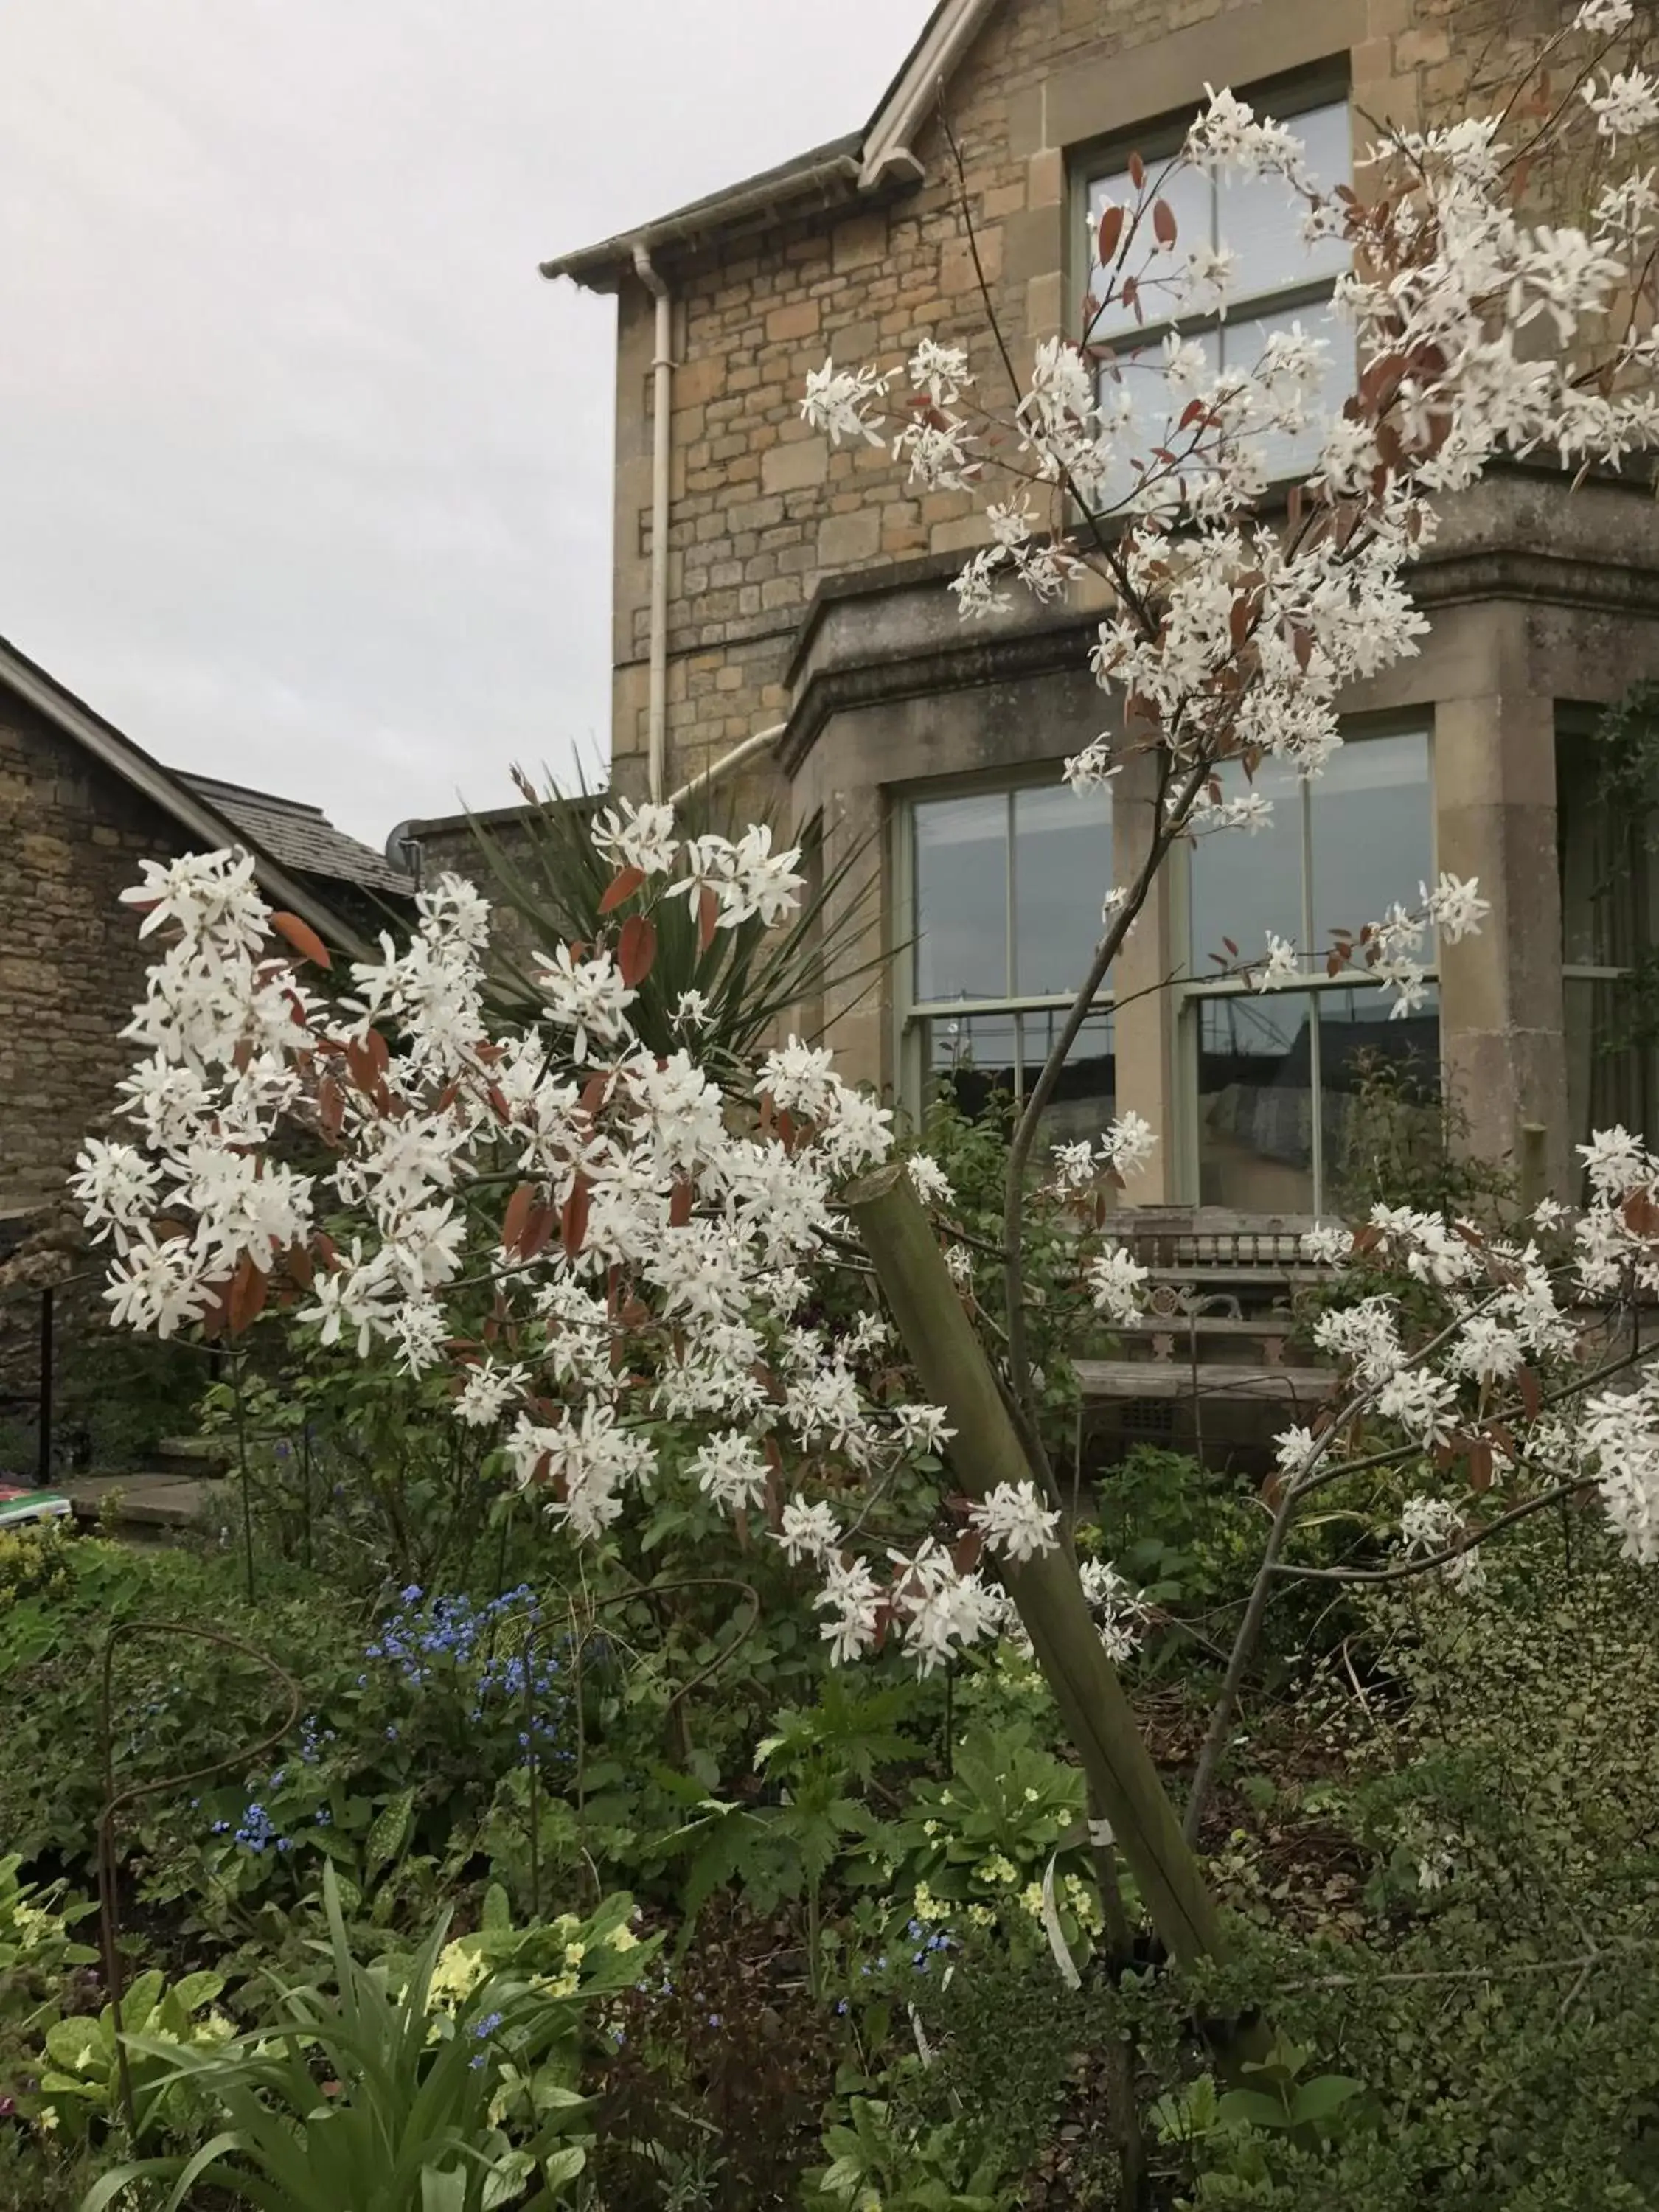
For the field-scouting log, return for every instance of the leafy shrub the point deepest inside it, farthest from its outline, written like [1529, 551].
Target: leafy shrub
[452, 2073]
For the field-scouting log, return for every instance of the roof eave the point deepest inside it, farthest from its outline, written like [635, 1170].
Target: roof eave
[829, 183]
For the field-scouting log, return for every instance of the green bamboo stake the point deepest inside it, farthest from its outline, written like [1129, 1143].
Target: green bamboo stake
[985, 1451]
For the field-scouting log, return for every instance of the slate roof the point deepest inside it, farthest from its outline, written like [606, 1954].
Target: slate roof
[299, 837]
[197, 812]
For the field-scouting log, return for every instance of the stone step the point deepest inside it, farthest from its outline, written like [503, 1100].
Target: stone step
[197, 1455]
[153, 1503]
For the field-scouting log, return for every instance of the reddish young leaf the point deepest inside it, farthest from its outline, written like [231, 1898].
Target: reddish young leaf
[679, 1206]
[517, 1214]
[1137, 171]
[622, 885]
[1109, 236]
[303, 938]
[708, 914]
[331, 1106]
[540, 1226]
[248, 1286]
[572, 1220]
[1481, 1468]
[1230, 947]
[636, 949]
[967, 1551]
[1532, 1396]
[1164, 223]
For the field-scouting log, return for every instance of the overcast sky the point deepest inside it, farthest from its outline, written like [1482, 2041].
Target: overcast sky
[304, 470]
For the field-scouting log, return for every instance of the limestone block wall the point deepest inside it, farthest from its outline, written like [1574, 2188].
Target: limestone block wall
[764, 511]
[72, 835]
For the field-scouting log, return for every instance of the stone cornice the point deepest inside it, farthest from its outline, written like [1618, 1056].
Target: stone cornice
[859, 646]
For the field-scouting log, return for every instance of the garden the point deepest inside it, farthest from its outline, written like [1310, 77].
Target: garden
[676, 1708]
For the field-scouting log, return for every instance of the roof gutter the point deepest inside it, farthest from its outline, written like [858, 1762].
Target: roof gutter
[887, 150]
[144, 775]
[836, 178]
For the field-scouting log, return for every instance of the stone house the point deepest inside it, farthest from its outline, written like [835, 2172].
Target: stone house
[777, 595]
[80, 807]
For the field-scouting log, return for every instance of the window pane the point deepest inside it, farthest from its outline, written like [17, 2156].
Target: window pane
[1086, 1100]
[1609, 888]
[1612, 1072]
[1259, 218]
[1373, 832]
[1152, 415]
[1192, 201]
[1255, 1102]
[1062, 871]
[1245, 884]
[1359, 1037]
[1293, 454]
[970, 1058]
[962, 897]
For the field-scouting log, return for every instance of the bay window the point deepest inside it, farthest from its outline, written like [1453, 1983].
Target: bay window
[1272, 1076]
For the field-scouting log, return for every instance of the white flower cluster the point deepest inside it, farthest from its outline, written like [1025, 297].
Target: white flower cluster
[649, 1266]
[1506, 1319]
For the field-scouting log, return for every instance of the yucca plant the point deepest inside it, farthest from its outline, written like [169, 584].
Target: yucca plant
[752, 980]
[441, 2086]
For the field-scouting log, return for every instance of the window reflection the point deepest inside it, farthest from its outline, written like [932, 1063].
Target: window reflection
[1086, 1100]
[1373, 832]
[1062, 871]
[962, 897]
[1255, 1102]
[972, 1057]
[1245, 883]
[1360, 1037]
[977, 1058]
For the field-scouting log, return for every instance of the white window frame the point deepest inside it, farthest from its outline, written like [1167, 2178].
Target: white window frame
[910, 1013]
[1313, 981]
[1284, 104]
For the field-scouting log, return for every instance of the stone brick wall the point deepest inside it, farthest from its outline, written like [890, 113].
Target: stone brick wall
[71, 966]
[763, 510]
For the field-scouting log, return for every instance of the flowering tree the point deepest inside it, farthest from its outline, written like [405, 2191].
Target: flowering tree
[610, 1248]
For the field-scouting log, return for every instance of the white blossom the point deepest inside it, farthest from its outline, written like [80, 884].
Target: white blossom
[1013, 1519]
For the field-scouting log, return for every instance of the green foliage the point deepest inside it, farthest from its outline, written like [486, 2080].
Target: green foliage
[452, 2073]
[551, 881]
[33, 1562]
[1060, 1320]
[80, 2095]
[972, 1850]
[1405, 1142]
[878, 2166]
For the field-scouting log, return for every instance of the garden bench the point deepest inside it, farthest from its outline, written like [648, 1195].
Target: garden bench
[1219, 1315]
